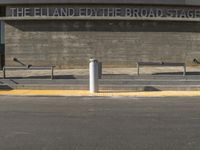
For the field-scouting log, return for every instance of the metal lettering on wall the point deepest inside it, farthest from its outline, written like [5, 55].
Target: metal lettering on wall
[104, 12]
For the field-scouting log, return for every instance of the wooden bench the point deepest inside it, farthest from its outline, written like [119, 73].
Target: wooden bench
[161, 64]
[5, 68]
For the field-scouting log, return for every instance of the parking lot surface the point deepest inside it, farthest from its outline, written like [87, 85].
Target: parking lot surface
[99, 123]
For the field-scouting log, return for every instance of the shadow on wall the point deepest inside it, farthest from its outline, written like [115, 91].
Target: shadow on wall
[105, 26]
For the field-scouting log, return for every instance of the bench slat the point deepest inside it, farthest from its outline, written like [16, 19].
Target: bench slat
[29, 68]
[161, 64]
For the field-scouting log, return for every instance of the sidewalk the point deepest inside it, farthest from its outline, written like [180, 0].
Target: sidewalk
[106, 71]
[117, 80]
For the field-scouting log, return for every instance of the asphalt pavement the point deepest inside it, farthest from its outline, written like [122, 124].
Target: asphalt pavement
[99, 123]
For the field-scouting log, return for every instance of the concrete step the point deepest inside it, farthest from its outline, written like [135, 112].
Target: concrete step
[103, 87]
[102, 82]
[142, 84]
[112, 76]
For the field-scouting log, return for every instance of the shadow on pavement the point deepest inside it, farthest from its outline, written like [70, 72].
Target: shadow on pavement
[176, 73]
[5, 87]
[151, 88]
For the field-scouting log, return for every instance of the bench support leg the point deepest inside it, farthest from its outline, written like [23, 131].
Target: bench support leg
[184, 72]
[52, 76]
[138, 69]
[4, 73]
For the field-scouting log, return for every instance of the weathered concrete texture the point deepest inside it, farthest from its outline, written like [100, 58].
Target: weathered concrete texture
[70, 44]
[163, 2]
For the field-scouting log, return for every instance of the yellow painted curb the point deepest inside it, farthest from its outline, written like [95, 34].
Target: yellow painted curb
[101, 93]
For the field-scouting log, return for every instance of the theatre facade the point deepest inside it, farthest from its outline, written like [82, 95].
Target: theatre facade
[68, 33]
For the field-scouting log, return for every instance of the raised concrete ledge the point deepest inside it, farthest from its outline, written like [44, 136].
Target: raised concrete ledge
[138, 85]
[101, 18]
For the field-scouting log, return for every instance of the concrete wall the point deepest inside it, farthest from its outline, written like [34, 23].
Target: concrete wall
[70, 44]
[151, 2]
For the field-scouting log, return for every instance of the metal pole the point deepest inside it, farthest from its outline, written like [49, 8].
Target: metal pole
[93, 66]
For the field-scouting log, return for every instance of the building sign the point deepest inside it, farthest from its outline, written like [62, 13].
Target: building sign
[136, 12]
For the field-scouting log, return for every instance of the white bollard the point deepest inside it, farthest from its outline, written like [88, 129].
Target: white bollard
[94, 85]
